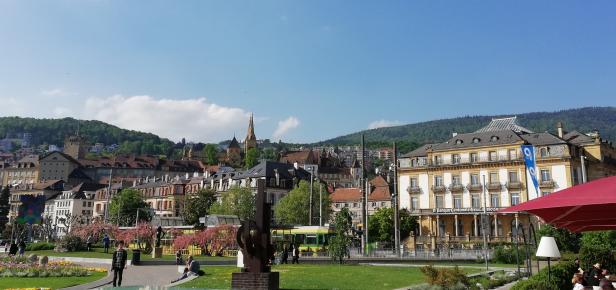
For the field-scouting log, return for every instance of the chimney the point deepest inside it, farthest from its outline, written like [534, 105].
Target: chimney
[559, 126]
[296, 165]
[454, 134]
[277, 176]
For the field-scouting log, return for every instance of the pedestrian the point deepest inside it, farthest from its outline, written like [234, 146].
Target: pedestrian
[295, 254]
[285, 255]
[106, 242]
[89, 242]
[22, 247]
[118, 263]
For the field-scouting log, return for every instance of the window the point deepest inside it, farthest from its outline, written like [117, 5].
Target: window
[438, 180]
[513, 154]
[545, 175]
[382, 204]
[493, 156]
[476, 201]
[458, 141]
[337, 205]
[474, 179]
[515, 198]
[455, 180]
[474, 157]
[513, 176]
[476, 140]
[544, 152]
[455, 158]
[414, 203]
[413, 181]
[494, 200]
[457, 201]
[437, 160]
[354, 204]
[373, 204]
[493, 177]
[544, 193]
[439, 201]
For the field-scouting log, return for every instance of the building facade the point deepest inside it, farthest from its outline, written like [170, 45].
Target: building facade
[447, 185]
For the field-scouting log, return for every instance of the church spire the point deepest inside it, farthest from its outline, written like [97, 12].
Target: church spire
[251, 138]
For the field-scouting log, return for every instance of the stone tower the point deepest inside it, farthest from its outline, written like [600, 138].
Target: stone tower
[75, 146]
[251, 139]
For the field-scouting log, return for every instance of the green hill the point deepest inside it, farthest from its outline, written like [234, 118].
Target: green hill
[411, 135]
[53, 131]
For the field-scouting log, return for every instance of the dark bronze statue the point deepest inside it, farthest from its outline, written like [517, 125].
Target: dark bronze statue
[253, 237]
[159, 235]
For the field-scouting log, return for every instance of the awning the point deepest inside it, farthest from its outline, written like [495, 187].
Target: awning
[587, 207]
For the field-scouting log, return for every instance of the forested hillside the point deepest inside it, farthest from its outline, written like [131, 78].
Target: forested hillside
[410, 136]
[53, 131]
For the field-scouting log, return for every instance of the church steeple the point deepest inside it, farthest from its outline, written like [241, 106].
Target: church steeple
[251, 138]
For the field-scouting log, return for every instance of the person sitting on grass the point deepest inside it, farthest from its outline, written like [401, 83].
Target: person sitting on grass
[193, 266]
[184, 276]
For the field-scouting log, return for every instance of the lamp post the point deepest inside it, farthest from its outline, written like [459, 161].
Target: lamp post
[548, 249]
[310, 207]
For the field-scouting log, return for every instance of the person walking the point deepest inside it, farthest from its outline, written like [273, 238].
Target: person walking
[89, 242]
[285, 255]
[106, 242]
[118, 263]
[295, 254]
[22, 247]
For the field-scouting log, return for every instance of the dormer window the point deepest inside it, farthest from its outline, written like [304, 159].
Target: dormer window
[476, 140]
[459, 141]
[494, 138]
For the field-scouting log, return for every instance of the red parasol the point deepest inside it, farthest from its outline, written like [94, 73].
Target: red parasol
[587, 207]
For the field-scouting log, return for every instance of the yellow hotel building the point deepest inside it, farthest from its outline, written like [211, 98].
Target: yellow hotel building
[446, 185]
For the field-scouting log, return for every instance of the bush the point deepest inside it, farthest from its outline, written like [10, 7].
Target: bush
[40, 246]
[561, 278]
[507, 255]
[72, 243]
[589, 255]
[444, 277]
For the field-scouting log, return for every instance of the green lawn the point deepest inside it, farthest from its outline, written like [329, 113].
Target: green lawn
[98, 253]
[327, 276]
[49, 282]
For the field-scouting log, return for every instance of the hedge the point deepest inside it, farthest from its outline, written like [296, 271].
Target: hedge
[40, 246]
[561, 278]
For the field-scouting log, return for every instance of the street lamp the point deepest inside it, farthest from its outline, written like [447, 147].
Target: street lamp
[548, 249]
[311, 169]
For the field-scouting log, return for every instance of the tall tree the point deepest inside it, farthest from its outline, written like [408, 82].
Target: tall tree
[381, 225]
[252, 158]
[270, 154]
[5, 206]
[239, 201]
[198, 205]
[211, 154]
[294, 207]
[339, 244]
[124, 206]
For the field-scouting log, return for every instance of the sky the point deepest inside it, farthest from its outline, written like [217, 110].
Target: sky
[308, 70]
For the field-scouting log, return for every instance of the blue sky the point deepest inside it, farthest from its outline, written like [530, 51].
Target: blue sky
[309, 70]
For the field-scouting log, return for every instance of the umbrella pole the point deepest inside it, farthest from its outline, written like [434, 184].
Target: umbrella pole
[517, 246]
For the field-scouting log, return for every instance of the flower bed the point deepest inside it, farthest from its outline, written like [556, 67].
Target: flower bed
[21, 267]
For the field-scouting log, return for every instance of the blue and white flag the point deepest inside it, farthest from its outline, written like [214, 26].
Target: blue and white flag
[529, 159]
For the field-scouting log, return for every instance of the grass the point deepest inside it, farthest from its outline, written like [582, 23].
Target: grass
[329, 276]
[100, 254]
[48, 282]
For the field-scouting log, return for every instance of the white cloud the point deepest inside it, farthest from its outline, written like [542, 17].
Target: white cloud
[383, 123]
[285, 126]
[193, 119]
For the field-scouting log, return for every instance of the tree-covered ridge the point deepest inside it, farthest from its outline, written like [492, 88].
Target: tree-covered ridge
[53, 131]
[583, 120]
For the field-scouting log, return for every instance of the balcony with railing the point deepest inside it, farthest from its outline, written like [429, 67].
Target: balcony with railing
[494, 186]
[413, 190]
[514, 185]
[546, 184]
[439, 188]
[456, 187]
[474, 187]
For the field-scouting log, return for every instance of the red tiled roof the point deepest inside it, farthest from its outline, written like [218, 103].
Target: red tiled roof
[380, 192]
[345, 194]
[300, 157]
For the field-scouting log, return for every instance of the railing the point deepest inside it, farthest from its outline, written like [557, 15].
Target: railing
[494, 186]
[461, 161]
[456, 187]
[546, 184]
[474, 187]
[439, 188]
[413, 189]
[514, 185]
